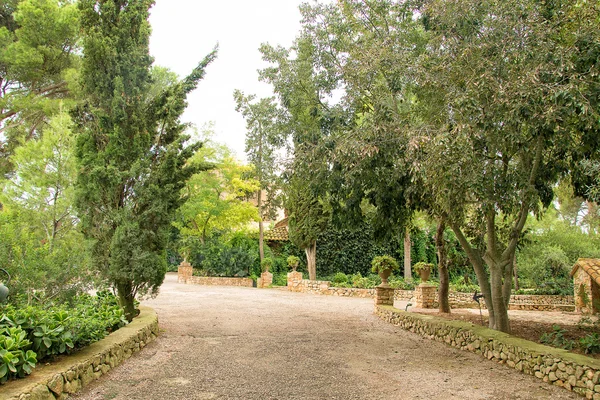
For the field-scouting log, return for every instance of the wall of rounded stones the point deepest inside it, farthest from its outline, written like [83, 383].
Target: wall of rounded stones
[457, 299]
[573, 372]
[217, 281]
[58, 380]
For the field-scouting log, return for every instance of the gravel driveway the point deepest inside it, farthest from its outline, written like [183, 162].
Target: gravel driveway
[245, 343]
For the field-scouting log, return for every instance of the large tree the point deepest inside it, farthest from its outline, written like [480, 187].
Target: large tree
[131, 147]
[38, 59]
[263, 139]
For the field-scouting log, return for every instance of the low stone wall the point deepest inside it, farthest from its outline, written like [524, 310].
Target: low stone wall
[517, 302]
[324, 287]
[218, 281]
[457, 299]
[59, 379]
[574, 372]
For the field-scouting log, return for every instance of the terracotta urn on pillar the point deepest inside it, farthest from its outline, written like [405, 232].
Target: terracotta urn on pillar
[424, 270]
[384, 266]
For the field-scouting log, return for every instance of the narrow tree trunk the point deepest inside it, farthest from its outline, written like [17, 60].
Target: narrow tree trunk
[482, 275]
[516, 276]
[126, 300]
[407, 261]
[507, 283]
[500, 310]
[443, 290]
[311, 261]
[261, 233]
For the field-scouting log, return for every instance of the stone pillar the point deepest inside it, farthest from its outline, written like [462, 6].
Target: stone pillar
[293, 279]
[425, 295]
[184, 272]
[265, 280]
[384, 296]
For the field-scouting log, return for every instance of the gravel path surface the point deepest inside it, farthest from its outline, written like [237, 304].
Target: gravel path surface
[245, 343]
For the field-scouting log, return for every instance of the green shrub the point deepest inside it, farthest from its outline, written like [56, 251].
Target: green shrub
[460, 285]
[16, 360]
[590, 343]
[40, 333]
[557, 338]
[293, 261]
[368, 282]
[383, 263]
[400, 283]
[340, 278]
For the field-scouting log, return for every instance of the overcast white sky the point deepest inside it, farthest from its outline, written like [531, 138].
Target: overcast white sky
[184, 31]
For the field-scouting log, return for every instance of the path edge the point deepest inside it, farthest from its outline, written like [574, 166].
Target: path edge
[71, 373]
[574, 372]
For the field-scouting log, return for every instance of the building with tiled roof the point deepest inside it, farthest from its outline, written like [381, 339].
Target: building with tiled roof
[279, 233]
[586, 284]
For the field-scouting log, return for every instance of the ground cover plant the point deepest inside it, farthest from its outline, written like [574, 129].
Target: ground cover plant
[32, 334]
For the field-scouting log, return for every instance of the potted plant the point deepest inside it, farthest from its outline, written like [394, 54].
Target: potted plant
[266, 263]
[292, 262]
[423, 269]
[384, 265]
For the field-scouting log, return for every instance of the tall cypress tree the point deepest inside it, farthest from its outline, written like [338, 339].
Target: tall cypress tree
[131, 147]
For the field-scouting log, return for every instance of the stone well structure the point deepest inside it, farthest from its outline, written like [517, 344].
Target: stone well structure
[586, 285]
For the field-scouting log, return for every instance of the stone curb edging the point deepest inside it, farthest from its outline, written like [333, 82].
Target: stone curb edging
[573, 372]
[68, 375]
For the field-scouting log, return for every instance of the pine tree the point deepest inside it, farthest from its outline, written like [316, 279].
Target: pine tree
[131, 148]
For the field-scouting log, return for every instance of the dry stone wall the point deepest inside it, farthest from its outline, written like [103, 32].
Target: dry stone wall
[573, 372]
[60, 379]
[218, 281]
[457, 300]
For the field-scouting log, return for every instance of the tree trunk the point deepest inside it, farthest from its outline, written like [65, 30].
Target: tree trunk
[407, 261]
[497, 289]
[311, 261]
[261, 233]
[482, 275]
[126, 300]
[444, 303]
[516, 276]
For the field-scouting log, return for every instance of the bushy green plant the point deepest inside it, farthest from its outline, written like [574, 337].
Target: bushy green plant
[383, 263]
[367, 282]
[340, 278]
[293, 261]
[400, 283]
[557, 338]
[590, 343]
[16, 360]
[459, 284]
[54, 330]
[421, 266]
[266, 264]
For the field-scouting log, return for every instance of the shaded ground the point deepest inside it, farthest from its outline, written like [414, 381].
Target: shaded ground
[529, 325]
[245, 343]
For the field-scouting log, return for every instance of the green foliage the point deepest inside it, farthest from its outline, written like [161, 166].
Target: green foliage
[367, 282]
[551, 249]
[421, 266]
[217, 199]
[340, 278]
[31, 334]
[266, 264]
[39, 243]
[38, 62]
[131, 148]
[16, 360]
[400, 283]
[557, 338]
[461, 285]
[383, 263]
[590, 343]
[292, 261]
[235, 255]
